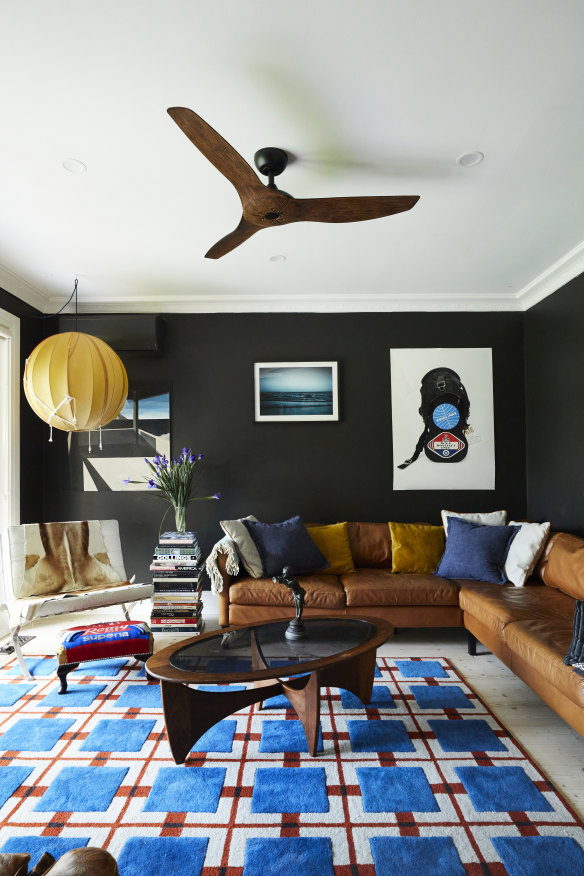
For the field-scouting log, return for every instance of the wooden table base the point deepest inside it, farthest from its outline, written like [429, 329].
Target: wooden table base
[189, 712]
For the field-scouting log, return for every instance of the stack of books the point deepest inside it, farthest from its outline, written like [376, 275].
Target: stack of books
[177, 577]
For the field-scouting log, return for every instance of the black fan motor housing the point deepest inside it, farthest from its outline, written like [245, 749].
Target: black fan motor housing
[271, 160]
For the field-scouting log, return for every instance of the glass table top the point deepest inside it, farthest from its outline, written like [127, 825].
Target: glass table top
[234, 651]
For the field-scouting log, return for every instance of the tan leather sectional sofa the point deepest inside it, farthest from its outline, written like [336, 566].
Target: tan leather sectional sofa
[529, 628]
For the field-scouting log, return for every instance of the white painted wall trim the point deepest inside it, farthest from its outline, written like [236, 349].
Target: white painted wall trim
[546, 283]
[22, 289]
[10, 426]
[566, 268]
[300, 302]
[10, 413]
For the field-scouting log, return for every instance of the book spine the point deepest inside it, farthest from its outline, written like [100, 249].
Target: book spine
[172, 618]
[172, 587]
[177, 600]
[176, 572]
[177, 542]
[169, 550]
[174, 621]
[189, 630]
[176, 564]
[177, 612]
[166, 574]
[176, 561]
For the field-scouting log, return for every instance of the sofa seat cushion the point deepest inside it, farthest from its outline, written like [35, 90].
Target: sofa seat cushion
[497, 606]
[542, 643]
[322, 591]
[371, 587]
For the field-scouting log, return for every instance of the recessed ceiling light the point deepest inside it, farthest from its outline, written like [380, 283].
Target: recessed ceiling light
[278, 258]
[74, 166]
[469, 159]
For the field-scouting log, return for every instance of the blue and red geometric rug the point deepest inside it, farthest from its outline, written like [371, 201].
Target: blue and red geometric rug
[425, 780]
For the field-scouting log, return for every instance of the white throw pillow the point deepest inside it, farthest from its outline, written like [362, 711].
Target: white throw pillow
[245, 545]
[526, 549]
[487, 518]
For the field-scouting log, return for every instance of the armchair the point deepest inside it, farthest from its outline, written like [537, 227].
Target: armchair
[50, 569]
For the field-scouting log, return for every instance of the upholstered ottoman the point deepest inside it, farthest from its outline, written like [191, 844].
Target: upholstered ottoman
[101, 642]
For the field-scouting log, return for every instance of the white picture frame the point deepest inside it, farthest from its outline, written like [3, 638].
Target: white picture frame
[474, 366]
[288, 392]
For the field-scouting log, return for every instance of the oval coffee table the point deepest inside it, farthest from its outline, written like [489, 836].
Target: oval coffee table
[336, 652]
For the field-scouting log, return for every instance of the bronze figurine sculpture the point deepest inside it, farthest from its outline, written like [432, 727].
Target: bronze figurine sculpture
[295, 629]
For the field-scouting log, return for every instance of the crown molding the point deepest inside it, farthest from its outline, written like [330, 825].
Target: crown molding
[546, 283]
[553, 278]
[20, 288]
[300, 302]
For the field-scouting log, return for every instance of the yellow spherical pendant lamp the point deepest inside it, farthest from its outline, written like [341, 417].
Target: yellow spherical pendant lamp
[75, 382]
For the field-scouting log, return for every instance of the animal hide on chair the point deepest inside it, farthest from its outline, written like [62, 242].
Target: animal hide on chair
[64, 558]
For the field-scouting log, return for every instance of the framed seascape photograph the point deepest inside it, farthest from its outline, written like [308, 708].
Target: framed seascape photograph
[295, 391]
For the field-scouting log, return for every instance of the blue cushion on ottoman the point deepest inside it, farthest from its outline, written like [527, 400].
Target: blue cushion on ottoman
[475, 552]
[285, 544]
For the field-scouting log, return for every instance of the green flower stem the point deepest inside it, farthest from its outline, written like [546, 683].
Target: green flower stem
[172, 480]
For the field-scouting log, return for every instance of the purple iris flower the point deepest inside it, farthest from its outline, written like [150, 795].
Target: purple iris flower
[200, 456]
[192, 458]
[126, 481]
[216, 496]
[151, 484]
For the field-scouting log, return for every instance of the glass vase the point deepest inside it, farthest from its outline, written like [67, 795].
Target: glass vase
[180, 518]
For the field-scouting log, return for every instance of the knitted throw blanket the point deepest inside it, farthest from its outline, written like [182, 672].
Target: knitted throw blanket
[576, 652]
[225, 546]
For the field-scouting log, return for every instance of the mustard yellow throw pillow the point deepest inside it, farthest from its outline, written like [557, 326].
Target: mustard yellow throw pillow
[332, 540]
[416, 547]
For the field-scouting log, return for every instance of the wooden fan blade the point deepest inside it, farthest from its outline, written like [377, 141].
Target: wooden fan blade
[240, 234]
[216, 150]
[354, 209]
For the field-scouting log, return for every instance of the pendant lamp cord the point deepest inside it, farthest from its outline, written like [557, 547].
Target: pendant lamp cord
[50, 315]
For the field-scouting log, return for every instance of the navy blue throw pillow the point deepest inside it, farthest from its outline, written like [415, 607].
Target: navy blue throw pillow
[285, 544]
[476, 552]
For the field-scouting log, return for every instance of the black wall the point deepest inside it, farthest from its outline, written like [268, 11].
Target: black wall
[323, 471]
[554, 367]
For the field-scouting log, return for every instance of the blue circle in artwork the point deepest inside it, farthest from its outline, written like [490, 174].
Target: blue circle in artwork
[446, 416]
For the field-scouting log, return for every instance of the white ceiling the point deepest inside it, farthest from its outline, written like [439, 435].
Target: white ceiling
[375, 97]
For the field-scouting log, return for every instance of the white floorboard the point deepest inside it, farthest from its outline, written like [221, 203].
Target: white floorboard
[553, 745]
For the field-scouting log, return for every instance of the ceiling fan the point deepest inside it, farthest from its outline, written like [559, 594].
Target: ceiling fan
[267, 205]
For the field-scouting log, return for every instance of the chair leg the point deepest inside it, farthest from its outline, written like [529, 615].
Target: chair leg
[18, 651]
[62, 674]
[471, 644]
